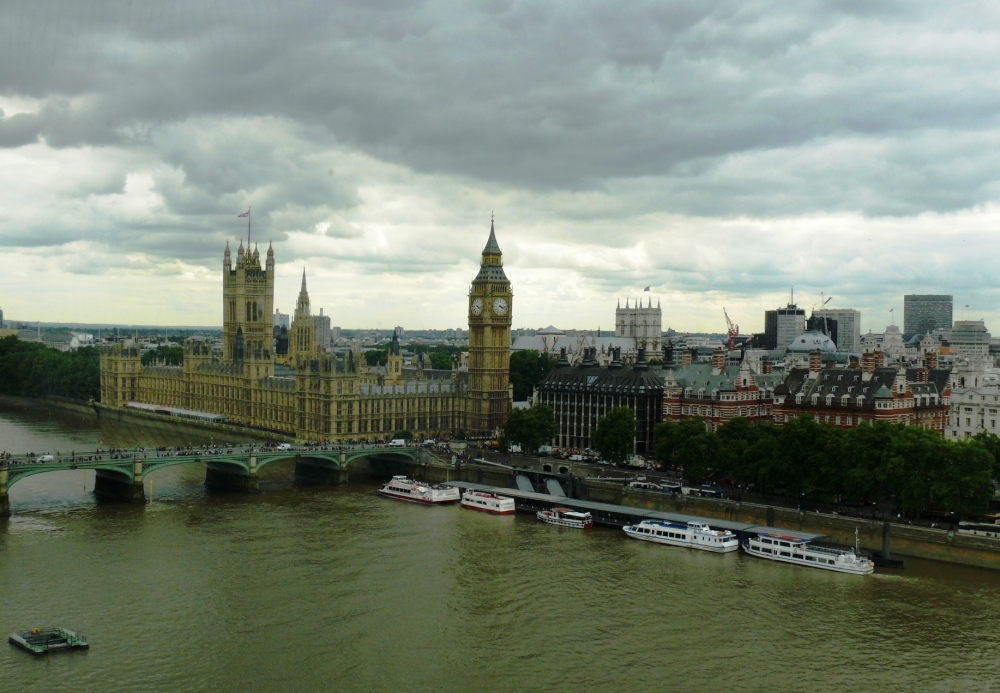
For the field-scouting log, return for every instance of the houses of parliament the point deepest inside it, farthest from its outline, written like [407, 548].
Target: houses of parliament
[315, 395]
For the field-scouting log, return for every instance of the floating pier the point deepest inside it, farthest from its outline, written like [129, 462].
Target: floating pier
[40, 641]
[611, 515]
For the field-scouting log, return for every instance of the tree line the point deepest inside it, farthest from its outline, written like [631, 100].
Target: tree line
[920, 470]
[31, 369]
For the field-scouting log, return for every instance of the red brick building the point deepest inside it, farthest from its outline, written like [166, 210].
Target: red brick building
[717, 392]
[872, 392]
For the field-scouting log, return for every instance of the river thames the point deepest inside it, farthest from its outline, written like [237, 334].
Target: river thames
[336, 589]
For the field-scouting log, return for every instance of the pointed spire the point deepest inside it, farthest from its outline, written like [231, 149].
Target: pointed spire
[492, 247]
[302, 305]
[270, 248]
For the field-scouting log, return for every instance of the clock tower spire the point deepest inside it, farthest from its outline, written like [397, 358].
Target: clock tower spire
[490, 307]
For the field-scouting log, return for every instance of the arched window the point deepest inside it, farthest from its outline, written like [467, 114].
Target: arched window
[248, 311]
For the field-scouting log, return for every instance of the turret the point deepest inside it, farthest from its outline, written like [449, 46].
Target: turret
[239, 255]
[227, 261]
[302, 305]
[270, 257]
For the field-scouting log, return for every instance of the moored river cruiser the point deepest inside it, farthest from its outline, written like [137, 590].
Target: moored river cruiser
[488, 502]
[564, 517]
[693, 535]
[777, 547]
[402, 488]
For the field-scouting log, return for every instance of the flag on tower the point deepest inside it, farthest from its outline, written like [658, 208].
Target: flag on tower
[245, 214]
[648, 288]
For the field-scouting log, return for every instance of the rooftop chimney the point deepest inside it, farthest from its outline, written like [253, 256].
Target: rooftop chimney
[640, 361]
[686, 358]
[563, 360]
[718, 361]
[880, 359]
[922, 375]
[766, 367]
[867, 365]
[616, 361]
[815, 361]
[931, 359]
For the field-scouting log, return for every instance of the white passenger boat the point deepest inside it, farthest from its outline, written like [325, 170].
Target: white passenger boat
[564, 517]
[693, 535]
[777, 547]
[488, 502]
[402, 488]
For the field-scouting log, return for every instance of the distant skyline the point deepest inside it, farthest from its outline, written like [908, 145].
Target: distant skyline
[719, 154]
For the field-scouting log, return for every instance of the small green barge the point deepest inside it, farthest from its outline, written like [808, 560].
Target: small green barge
[39, 641]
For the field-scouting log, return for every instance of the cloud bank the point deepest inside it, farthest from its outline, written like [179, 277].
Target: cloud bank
[718, 152]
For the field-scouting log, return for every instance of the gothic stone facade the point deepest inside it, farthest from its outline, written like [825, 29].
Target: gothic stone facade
[325, 397]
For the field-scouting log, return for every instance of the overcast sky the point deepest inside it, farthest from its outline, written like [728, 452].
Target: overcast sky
[717, 152]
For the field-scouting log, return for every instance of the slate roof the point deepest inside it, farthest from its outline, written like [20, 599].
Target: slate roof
[699, 376]
[490, 273]
[841, 381]
[594, 379]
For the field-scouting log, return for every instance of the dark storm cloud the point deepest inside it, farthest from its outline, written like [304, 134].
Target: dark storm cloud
[730, 107]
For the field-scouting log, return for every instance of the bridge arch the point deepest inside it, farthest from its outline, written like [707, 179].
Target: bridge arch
[123, 468]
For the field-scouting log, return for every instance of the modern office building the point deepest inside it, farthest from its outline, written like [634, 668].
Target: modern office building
[847, 334]
[783, 325]
[969, 338]
[923, 313]
[323, 332]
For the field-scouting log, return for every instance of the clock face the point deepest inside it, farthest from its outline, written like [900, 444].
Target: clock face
[477, 306]
[500, 306]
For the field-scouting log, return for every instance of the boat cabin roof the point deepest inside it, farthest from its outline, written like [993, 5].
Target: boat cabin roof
[783, 537]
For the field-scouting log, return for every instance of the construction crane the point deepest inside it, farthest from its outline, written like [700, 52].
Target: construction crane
[734, 330]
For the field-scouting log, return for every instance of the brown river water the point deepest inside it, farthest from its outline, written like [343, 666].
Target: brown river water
[336, 589]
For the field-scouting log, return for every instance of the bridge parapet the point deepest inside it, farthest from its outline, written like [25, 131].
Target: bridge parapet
[121, 475]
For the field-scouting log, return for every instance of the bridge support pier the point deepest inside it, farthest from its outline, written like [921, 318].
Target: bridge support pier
[318, 471]
[4, 499]
[114, 486]
[229, 478]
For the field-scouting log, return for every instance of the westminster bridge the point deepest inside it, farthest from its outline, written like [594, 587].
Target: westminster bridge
[120, 474]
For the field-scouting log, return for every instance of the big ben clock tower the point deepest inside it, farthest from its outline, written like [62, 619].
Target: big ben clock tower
[490, 304]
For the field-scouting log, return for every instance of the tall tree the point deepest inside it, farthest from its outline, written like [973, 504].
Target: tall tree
[527, 369]
[531, 428]
[614, 438]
